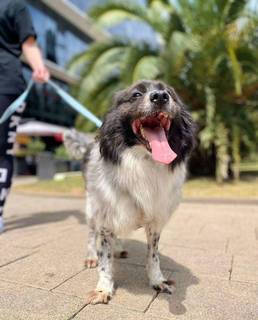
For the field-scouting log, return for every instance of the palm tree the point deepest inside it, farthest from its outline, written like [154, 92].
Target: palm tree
[206, 49]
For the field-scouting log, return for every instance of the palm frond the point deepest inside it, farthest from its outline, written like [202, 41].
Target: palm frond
[233, 10]
[178, 46]
[132, 57]
[112, 12]
[86, 60]
[157, 14]
[148, 67]
[96, 78]
[99, 102]
[235, 68]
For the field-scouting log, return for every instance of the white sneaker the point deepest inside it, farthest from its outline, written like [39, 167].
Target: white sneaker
[1, 224]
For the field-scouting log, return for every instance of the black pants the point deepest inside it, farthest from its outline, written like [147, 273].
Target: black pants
[7, 140]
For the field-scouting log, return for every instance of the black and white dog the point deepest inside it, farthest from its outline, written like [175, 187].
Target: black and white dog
[134, 173]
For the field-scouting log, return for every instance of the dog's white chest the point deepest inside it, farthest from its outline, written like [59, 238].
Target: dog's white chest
[152, 186]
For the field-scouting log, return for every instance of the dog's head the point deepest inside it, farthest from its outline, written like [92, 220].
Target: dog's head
[149, 114]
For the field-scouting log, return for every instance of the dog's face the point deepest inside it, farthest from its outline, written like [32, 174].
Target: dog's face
[149, 114]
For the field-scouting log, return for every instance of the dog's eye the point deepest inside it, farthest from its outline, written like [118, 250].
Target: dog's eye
[137, 94]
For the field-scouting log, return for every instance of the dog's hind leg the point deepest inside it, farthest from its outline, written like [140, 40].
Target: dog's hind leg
[91, 260]
[105, 286]
[120, 253]
[157, 280]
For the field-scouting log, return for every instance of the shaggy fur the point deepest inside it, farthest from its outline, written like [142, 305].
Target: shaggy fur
[126, 188]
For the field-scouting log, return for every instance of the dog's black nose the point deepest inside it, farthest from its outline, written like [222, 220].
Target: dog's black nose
[159, 97]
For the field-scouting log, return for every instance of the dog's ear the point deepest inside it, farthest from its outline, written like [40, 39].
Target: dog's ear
[182, 133]
[113, 131]
[116, 133]
[118, 98]
[174, 96]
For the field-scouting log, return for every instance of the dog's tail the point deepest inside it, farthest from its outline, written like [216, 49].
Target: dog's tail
[77, 144]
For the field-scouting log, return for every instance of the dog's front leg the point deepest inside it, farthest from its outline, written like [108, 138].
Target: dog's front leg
[91, 258]
[105, 286]
[157, 280]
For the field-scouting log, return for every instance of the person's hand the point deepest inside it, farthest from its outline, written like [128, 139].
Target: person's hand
[41, 74]
[33, 55]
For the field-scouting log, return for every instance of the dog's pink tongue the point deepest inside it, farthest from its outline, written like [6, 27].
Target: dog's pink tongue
[160, 148]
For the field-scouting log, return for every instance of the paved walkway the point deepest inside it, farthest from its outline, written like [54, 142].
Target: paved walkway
[210, 249]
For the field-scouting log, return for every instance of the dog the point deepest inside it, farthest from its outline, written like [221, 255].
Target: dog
[134, 172]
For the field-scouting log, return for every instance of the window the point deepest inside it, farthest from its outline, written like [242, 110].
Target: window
[56, 38]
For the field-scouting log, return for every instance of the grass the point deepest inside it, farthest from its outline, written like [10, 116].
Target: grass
[208, 188]
[69, 186]
[194, 188]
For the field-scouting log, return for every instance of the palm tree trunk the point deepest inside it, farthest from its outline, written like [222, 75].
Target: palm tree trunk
[222, 154]
[236, 152]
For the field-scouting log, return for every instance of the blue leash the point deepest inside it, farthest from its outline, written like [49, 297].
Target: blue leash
[64, 95]
[16, 103]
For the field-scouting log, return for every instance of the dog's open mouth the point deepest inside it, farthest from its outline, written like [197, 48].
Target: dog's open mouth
[152, 131]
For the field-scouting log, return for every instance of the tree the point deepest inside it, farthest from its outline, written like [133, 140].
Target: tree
[207, 50]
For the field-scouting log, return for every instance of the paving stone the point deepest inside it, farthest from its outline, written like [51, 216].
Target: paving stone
[9, 254]
[42, 219]
[25, 303]
[197, 232]
[245, 268]
[108, 312]
[242, 245]
[51, 265]
[19, 205]
[36, 236]
[218, 246]
[196, 261]
[210, 299]
[217, 232]
[80, 284]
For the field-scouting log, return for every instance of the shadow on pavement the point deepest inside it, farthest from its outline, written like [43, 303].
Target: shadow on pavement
[131, 278]
[40, 218]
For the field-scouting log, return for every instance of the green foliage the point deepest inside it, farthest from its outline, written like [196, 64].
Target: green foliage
[34, 147]
[207, 50]
[61, 153]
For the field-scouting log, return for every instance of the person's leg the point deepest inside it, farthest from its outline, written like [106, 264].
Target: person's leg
[7, 140]
[6, 171]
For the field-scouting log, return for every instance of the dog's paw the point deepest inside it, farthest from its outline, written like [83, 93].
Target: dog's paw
[167, 286]
[121, 254]
[91, 263]
[96, 297]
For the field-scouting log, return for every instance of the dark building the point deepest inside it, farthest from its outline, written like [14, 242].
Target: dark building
[63, 31]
